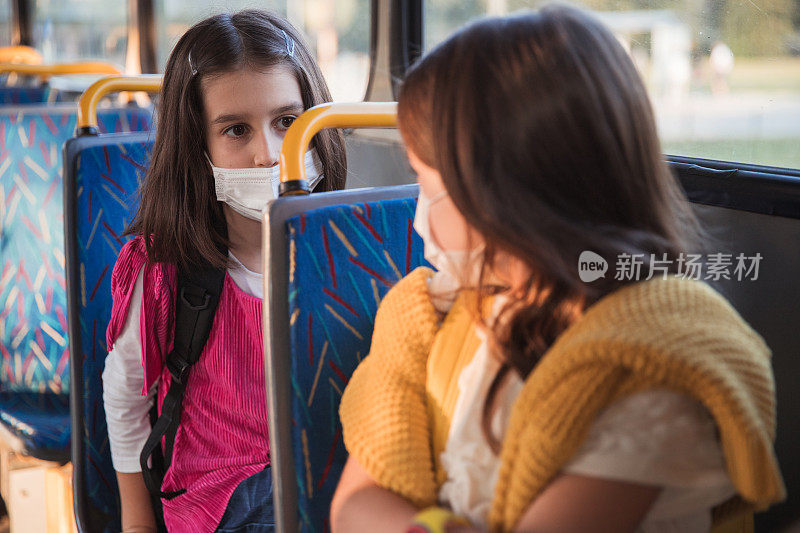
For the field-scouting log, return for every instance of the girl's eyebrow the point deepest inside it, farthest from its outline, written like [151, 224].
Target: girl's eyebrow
[291, 106]
[231, 117]
[242, 117]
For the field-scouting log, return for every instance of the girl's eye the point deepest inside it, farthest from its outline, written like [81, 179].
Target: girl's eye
[285, 122]
[236, 131]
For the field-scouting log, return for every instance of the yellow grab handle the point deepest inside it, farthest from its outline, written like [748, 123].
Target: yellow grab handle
[87, 106]
[45, 71]
[331, 115]
[20, 54]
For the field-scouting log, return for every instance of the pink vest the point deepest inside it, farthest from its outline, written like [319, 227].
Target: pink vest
[223, 436]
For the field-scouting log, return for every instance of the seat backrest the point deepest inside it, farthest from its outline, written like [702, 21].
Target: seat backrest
[769, 305]
[100, 195]
[751, 211]
[331, 258]
[28, 95]
[32, 283]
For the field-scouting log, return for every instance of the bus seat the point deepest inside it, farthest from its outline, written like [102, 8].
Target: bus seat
[30, 82]
[97, 210]
[331, 258]
[28, 95]
[36, 424]
[745, 212]
[752, 211]
[34, 371]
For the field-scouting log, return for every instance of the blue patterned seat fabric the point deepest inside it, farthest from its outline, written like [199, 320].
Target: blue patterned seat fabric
[106, 180]
[28, 95]
[41, 421]
[342, 261]
[33, 324]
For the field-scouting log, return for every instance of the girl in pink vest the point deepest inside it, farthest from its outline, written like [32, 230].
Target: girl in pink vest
[232, 87]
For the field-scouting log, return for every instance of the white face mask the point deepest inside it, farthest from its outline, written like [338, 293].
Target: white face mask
[462, 265]
[247, 190]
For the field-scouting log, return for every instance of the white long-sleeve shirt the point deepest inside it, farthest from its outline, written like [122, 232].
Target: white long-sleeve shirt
[127, 410]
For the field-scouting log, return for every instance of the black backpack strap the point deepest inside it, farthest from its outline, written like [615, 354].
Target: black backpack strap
[197, 296]
[157, 464]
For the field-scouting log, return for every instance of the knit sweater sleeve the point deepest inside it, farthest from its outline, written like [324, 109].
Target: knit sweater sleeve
[673, 334]
[383, 410]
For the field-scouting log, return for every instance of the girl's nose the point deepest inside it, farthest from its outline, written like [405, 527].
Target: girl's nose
[268, 153]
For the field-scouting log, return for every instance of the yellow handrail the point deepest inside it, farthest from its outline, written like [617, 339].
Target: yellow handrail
[20, 54]
[332, 115]
[45, 71]
[87, 106]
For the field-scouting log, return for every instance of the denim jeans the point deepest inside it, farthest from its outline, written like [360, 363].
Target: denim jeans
[250, 507]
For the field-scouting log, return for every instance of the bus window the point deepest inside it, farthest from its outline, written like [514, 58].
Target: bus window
[77, 30]
[5, 22]
[174, 17]
[337, 30]
[723, 76]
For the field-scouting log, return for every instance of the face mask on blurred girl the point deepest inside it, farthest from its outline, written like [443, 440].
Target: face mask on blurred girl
[463, 266]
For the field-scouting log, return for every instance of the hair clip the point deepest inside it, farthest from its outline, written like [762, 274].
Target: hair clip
[191, 66]
[289, 43]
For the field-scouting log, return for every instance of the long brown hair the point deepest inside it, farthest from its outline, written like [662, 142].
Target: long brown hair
[178, 214]
[544, 136]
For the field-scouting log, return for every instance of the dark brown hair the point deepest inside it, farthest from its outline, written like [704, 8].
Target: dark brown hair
[178, 214]
[545, 140]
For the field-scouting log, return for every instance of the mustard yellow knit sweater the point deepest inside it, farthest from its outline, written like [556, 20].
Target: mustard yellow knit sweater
[674, 334]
